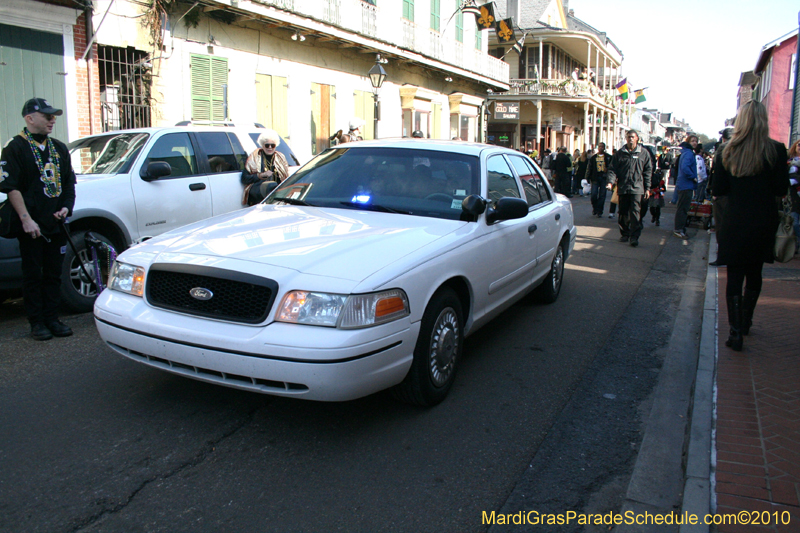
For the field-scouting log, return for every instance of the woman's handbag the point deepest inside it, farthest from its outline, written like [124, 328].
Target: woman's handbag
[784, 237]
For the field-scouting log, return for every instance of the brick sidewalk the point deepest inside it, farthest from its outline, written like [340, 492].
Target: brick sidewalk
[758, 405]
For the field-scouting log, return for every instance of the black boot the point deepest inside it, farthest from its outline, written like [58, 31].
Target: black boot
[735, 339]
[748, 306]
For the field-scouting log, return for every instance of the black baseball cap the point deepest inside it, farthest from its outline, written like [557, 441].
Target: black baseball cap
[42, 106]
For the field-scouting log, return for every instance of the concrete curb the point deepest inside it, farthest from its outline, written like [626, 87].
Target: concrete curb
[699, 482]
[657, 484]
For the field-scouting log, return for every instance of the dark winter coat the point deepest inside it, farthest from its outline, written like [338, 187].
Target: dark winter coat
[631, 170]
[747, 233]
[591, 169]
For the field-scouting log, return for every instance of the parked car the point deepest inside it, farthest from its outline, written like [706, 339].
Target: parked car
[136, 184]
[363, 271]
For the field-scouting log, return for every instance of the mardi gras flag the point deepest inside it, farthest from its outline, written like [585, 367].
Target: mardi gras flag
[504, 29]
[639, 94]
[622, 87]
[485, 18]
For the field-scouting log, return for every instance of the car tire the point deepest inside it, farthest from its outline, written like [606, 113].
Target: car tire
[437, 352]
[77, 293]
[550, 288]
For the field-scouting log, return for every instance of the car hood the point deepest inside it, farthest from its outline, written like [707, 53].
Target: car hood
[345, 244]
[80, 178]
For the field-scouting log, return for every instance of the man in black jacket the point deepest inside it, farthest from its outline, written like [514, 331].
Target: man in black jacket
[631, 168]
[597, 175]
[562, 177]
[36, 173]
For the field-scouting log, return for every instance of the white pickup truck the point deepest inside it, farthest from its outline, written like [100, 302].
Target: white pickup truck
[126, 194]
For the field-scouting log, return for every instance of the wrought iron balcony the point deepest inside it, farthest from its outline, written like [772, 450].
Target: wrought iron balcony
[563, 87]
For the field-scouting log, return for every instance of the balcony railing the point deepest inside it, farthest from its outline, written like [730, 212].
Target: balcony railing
[568, 87]
[380, 22]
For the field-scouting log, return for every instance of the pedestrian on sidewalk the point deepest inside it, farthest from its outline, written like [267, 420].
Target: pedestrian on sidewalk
[576, 180]
[686, 184]
[750, 171]
[562, 173]
[36, 174]
[581, 171]
[597, 174]
[794, 190]
[631, 169]
[702, 174]
[717, 203]
[657, 191]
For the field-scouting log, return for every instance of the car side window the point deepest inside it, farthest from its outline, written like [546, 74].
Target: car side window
[176, 150]
[218, 150]
[544, 192]
[500, 180]
[238, 151]
[526, 172]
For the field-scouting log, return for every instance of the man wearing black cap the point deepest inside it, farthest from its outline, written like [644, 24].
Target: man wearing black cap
[37, 176]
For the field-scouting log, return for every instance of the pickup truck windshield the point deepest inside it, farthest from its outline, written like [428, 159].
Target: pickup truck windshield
[106, 154]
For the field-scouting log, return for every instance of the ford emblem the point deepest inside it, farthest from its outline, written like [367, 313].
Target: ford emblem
[199, 293]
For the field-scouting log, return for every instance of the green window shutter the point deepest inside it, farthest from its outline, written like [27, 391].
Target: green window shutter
[460, 27]
[201, 87]
[478, 36]
[209, 74]
[435, 15]
[408, 10]
[219, 77]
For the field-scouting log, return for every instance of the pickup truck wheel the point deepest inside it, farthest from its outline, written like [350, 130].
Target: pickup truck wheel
[437, 352]
[77, 292]
[550, 288]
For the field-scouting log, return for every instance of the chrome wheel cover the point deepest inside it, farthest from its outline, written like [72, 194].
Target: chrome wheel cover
[78, 279]
[443, 347]
[557, 269]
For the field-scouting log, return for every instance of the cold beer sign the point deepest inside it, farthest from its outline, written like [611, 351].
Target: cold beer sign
[506, 110]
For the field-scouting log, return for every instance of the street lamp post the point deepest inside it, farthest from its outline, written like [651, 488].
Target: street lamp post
[376, 77]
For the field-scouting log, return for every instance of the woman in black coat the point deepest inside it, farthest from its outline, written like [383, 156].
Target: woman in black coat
[750, 171]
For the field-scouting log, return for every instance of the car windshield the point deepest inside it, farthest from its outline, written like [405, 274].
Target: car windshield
[106, 154]
[393, 180]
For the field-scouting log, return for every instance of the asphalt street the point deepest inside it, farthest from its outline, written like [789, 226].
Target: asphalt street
[546, 414]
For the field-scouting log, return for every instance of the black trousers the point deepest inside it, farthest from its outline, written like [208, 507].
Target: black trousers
[41, 276]
[629, 219]
[737, 275]
[682, 214]
[598, 197]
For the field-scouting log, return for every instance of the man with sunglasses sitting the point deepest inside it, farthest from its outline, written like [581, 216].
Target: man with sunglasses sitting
[36, 173]
[264, 167]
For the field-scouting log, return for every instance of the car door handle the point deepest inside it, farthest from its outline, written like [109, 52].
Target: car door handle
[558, 216]
[532, 228]
[197, 186]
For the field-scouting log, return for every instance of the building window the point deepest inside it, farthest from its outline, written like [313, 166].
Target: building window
[435, 16]
[792, 69]
[766, 80]
[478, 38]
[460, 27]
[124, 88]
[408, 10]
[209, 75]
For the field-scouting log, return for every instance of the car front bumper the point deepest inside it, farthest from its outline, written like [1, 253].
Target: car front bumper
[314, 363]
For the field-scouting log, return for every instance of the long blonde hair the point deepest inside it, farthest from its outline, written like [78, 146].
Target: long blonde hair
[750, 148]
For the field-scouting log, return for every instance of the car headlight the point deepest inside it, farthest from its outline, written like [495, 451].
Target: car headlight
[343, 311]
[126, 278]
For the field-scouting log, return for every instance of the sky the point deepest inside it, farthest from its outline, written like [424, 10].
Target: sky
[690, 53]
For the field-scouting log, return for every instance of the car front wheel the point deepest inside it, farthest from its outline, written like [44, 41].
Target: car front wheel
[437, 352]
[77, 292]
[548, 291]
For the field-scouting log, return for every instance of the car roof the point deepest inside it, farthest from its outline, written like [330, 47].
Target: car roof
[157, 129]
[460, 147]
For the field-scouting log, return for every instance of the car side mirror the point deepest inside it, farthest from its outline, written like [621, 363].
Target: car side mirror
[155, 170]
[473, 205]
[507, 208]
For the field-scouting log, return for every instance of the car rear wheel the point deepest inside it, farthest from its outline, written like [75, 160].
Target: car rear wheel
[550, 288]
[77, 292]
[437, 352]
